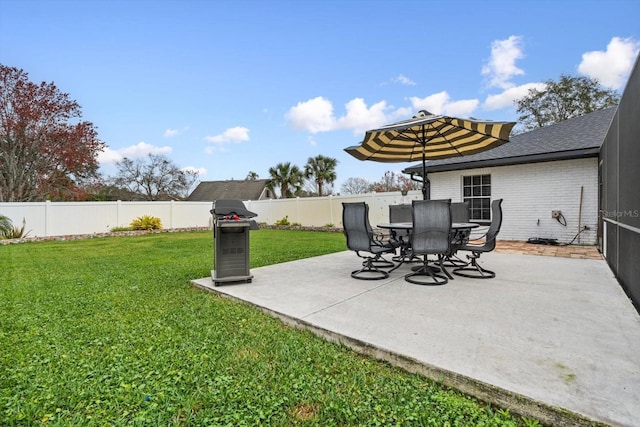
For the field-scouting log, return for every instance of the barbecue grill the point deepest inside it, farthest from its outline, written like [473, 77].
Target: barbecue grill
[231, 224]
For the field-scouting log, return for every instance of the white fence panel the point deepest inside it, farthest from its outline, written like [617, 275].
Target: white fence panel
[79, 218]
[34, 214]
[190, 214]
[68, 218]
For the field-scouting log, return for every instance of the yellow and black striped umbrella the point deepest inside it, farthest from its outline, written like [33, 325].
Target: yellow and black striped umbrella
[430, 137]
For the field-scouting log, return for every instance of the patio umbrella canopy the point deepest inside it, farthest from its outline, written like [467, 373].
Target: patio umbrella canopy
[428, 136]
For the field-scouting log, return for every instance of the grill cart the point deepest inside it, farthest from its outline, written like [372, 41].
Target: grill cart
[231, 225]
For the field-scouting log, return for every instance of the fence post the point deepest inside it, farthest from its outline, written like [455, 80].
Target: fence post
[171, 215]
[47, 215]
[331, 210]
[118, 203]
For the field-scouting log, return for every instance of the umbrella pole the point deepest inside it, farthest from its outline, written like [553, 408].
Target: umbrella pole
[425, 196]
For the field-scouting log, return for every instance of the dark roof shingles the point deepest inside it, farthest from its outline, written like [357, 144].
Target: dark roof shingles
[579, 134]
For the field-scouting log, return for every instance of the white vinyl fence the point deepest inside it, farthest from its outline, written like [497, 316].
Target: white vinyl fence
[44, 219]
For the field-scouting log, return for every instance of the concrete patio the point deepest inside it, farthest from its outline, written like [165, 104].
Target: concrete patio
[551, 337]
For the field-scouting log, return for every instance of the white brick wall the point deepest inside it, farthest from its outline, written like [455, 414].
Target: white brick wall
[531, 192]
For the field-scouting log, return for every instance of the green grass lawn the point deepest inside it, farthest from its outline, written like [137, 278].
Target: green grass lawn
[109, 331]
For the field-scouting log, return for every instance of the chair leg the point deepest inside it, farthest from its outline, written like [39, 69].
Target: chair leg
[428, 272]
[370, 271]
[441, 259]
[379, 262]
[474, 270]
[454, 261]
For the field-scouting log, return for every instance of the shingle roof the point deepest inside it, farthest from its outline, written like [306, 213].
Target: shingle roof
[231, 189]
[574, 138]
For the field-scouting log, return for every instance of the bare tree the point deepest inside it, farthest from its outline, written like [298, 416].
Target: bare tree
[154, 178]
[355, 186]
[393, 182]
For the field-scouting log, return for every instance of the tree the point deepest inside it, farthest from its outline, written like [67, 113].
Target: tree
[252, 176]
[45, 149]
[393, 182]
[321, 170]
[287, 177]
[355, 186]
[562, 100]
[154, 178]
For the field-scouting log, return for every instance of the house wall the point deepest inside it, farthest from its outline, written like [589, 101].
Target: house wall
[531, 192]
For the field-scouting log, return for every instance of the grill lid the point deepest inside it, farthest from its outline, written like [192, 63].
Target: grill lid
[226, 207]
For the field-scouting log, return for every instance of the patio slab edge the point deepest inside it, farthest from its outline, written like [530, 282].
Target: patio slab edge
[516, 403]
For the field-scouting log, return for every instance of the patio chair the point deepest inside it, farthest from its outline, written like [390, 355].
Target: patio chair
[400, 213]
[474, 270]
[459, 213]
[431, 235]
[365, 243]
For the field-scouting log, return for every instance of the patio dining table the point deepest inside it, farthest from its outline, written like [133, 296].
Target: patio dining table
[460, 232]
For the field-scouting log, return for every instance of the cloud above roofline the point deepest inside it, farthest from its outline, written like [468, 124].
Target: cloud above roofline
[610, 67]
[141, 149]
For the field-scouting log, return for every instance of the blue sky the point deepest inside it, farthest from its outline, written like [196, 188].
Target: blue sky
[229, 87]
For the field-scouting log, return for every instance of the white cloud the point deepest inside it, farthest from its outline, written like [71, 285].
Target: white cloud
[434, 103]
[314, 115]
[404, 80]
[612, 67]
[360, 118]
[171, 132]
[501, 66]
[141, 149]
[235, 134]
[462, 108]
[108, 156]
[199, 171]
[510, 96]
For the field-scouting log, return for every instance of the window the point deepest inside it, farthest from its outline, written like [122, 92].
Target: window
[476, 190]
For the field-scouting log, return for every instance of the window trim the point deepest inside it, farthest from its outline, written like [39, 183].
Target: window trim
[480, 197]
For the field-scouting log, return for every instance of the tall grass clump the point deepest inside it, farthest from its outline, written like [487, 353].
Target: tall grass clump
[8, 231]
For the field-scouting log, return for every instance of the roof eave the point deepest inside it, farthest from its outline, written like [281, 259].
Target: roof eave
[509, 161]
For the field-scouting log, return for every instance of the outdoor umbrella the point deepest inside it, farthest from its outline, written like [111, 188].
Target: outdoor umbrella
[428, 136]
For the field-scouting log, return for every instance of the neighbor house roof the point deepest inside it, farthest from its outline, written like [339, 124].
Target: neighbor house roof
[234, 189]
[574, 138]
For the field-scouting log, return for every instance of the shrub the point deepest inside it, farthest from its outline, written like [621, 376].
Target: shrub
[8, 231]
[116, 229]
[283, 221]
[146, 222]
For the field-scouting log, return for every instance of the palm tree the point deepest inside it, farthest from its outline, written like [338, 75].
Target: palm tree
[287, 177]
[322, 170]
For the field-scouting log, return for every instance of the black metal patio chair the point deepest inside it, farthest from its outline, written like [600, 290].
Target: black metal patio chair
[459, 213]
[431, 235]
[365, 243]
[474, 270]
